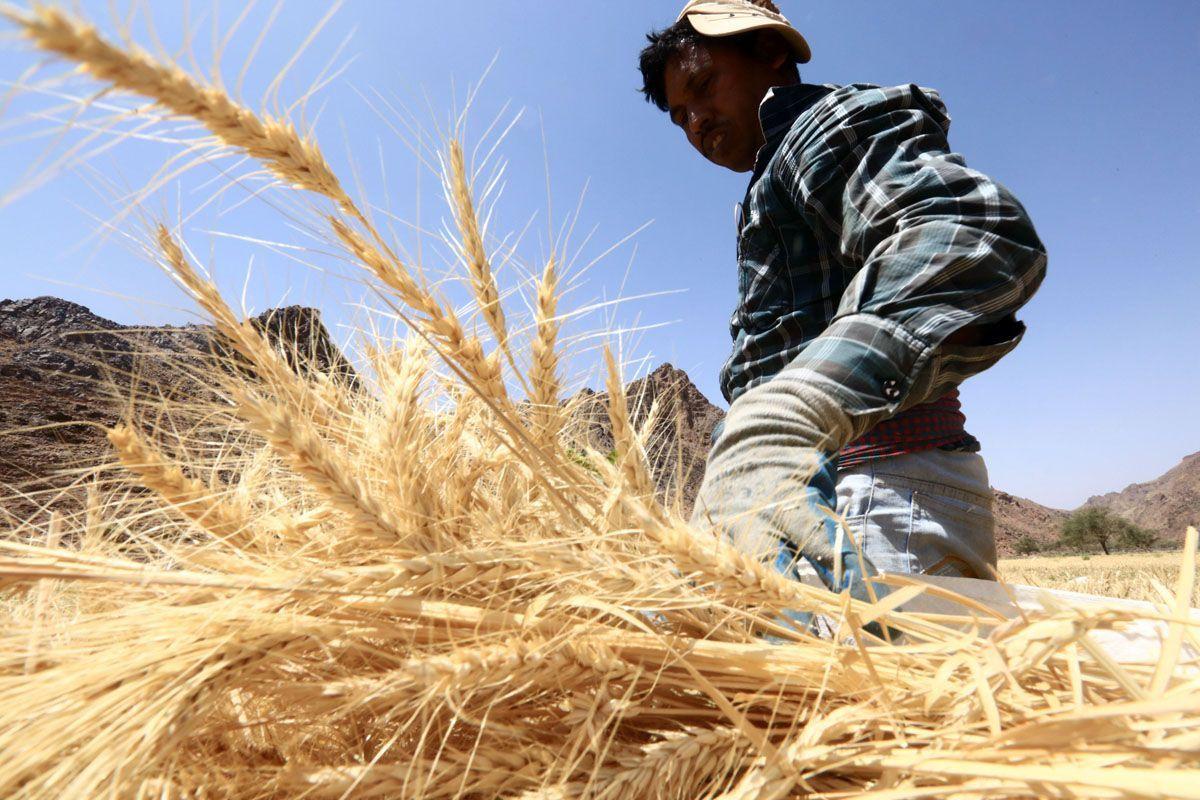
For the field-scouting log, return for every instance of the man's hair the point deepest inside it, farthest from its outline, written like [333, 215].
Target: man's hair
[669, 42]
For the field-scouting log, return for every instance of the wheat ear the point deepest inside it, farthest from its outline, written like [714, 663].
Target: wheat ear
[476, 574]
[479, 266]
[275, 142]
[187, 496]
[331, 473]
[320, 403]
[268, 364]
[679, 766]
[544, 383]
[437, 320]
[485, 771]
[481, 670]
[405, 434]
[288, 424]
[631, 458]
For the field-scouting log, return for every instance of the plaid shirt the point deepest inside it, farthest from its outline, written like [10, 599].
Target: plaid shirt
[864, 243]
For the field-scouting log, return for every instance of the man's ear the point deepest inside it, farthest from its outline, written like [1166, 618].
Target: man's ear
[772, 49]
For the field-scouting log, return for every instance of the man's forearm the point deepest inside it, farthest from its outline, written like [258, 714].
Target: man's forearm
[772, 471]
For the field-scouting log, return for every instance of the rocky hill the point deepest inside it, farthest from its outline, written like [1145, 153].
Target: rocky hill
[1018, 516]
[65, 372]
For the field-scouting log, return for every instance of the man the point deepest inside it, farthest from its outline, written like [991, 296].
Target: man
[876, 272]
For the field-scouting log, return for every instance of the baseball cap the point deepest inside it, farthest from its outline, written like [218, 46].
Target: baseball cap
[729, 17]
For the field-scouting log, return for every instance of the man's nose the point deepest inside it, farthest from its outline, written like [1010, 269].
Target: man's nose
[698, 120]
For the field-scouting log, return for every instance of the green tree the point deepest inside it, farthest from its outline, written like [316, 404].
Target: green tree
[1026, 545]
[1091, 527]
[1131, 537]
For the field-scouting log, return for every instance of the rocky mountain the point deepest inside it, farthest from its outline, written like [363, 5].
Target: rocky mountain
[1166, 505]
[682, 432]
[65, 373]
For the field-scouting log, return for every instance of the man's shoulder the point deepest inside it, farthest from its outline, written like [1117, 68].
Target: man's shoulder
[860, 103]
[867, 93]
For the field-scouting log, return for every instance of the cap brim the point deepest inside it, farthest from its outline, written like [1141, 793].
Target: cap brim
[735, 22]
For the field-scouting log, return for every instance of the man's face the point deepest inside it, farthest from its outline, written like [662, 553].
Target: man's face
[713, 93]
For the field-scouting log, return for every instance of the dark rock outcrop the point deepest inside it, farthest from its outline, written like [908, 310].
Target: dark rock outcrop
[66, 373]
[1017, 517]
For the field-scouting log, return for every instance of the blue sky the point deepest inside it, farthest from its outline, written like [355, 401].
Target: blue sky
[1088, 111]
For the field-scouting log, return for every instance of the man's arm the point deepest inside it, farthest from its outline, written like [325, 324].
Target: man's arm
[944, 257]
[941, 250]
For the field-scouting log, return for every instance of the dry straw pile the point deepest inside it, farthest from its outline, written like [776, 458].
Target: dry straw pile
[422, 588]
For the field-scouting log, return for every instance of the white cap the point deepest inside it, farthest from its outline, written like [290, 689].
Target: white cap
[729, 17]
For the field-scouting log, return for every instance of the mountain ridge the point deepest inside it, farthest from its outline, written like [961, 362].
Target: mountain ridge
[53, 354]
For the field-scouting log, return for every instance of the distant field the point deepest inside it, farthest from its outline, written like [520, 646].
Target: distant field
[1129, 575]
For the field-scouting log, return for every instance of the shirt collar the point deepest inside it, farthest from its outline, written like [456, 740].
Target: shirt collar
[776, 114]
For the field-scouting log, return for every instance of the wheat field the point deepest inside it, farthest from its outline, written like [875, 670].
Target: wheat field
[1126, 575]
[425, 584]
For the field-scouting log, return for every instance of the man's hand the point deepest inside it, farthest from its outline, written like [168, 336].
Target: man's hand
[770, 481]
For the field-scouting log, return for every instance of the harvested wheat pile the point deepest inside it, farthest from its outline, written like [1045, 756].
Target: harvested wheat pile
[427, 588]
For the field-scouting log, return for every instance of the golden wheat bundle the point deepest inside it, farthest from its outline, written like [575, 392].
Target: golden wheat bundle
[426, 588]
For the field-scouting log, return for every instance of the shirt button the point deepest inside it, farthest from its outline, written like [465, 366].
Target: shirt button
[891, 390]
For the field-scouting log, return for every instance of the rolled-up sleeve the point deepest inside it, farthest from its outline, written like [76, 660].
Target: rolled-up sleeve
[934, 247]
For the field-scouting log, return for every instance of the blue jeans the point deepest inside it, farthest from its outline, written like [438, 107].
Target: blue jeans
[928, 512]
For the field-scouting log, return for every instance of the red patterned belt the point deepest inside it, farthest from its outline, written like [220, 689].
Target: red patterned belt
[920, 428]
